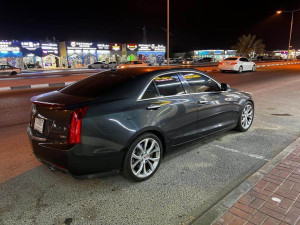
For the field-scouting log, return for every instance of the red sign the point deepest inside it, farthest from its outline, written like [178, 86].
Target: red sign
[115, 46]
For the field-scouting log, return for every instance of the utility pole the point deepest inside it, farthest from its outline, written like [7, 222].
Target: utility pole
[168, 32]
[291, 30]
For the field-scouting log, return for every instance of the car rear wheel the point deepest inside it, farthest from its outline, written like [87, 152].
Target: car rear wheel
[90, 67]
[246, 117]
[143, 157]
[13, 73]
[240, 69]
[222, 71]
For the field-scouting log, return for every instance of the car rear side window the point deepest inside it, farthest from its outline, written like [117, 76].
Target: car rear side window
[200, 83]
[96, 85]
[151, 92]
[168, 85]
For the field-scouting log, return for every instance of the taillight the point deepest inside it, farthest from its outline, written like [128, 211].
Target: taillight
[234, 63]
[75, 126]
[220, 63]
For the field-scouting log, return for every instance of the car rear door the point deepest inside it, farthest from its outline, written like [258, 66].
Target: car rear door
[214, 108]
[173, 110]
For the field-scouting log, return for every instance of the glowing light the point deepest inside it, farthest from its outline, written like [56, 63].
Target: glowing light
[279, 12]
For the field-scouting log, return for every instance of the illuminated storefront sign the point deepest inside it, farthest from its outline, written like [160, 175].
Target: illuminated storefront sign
[115, 46]
[103, 46]
[49, 48]
[151, 47]
[73, 45]
[131, 47]
[30, 45]
[10, 49]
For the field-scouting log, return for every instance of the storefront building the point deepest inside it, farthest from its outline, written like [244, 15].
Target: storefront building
[116, 52]
[10, 53]
[151, 53]
[103, 52]
[217, 55]
[81, 54]
[283, 54]
[32, 54]
[50, 55]
[132, 52]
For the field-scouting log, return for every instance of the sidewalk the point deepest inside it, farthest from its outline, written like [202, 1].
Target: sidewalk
[275, 199]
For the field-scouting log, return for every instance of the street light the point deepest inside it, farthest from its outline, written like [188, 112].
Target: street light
[168, 33]
[291, 29]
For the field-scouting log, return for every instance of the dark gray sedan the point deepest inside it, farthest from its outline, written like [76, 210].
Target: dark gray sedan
[126, 120]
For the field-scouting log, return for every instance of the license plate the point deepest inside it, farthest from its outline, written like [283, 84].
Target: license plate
[39, 125]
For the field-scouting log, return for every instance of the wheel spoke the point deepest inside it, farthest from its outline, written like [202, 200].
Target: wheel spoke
[151, 147]
[144, 169]
[137, 162]
[136, 156]
[145, 145]
[153, 151]
[140, 169]
[140, 147]
[154, 159]
[151, 165]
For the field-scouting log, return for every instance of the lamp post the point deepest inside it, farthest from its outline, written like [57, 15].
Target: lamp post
[168, 32]
[291, 29]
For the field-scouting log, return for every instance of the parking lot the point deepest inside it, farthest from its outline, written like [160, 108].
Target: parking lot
[188, 183]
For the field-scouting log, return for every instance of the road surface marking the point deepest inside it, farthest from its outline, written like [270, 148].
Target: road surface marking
[242, 153]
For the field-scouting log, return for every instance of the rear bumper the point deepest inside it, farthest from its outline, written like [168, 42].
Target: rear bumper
[71, 158]
[229, 68]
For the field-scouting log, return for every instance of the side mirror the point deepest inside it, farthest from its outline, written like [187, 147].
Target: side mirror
[224, 87]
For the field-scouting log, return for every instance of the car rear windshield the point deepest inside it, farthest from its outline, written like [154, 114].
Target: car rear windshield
[96, 85]
[231, 59]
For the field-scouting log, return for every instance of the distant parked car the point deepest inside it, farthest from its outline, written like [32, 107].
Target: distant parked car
[238, 64]
[9, 70]
[206, 59]
[113, 65]
[130, 64]
[187, 61]
[298, 57]
[98, 65]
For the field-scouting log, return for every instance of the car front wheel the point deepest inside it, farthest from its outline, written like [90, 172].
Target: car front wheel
[90, 67]
[246, 117]
[143, 157]
[240, 69]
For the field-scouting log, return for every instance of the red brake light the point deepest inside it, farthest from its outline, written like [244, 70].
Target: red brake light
[234, 63]
[220, 63]
[75, 126]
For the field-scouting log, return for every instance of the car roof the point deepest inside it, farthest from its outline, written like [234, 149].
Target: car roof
[137, 71]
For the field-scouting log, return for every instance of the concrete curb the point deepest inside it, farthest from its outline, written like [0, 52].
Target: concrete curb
[2, 89]
[216, 211]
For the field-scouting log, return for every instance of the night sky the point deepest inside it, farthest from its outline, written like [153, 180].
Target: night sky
[195, 24]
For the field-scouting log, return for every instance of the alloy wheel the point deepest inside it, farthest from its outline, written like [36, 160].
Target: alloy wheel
[247, 116]
[145, 158]
[240, 69]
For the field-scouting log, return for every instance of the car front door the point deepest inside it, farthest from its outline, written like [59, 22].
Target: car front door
[215, 107]
[173, 110]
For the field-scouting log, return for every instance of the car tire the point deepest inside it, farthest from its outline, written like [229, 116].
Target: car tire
[246, 117]
[136, 165]
[253, 68]
[222, 71]
[240, 69]
[90, 67]
[13, 73]
[102, 67]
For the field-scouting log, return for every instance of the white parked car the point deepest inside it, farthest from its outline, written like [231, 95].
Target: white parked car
[98, 65]
[9, 70]
[238, 64]
[113, 65]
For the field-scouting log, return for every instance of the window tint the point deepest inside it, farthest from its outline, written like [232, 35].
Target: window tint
[244, 60]
[137, 62]
[168, 85]
[96, 85]
[231, 59]
[151, 92]
[200, 83]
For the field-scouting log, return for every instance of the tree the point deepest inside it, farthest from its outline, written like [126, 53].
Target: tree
[248, 45]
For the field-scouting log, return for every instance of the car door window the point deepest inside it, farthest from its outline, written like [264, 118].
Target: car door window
[200, 83]
[151, 92]
[168, 85]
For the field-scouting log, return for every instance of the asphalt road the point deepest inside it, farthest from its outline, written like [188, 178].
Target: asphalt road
[189, 181]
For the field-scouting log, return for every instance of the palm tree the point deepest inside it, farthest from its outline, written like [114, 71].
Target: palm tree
[248, 45]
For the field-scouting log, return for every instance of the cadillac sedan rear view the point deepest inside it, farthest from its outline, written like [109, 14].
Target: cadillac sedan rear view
[126, 120]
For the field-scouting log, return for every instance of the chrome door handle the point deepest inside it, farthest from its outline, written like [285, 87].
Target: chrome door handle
[153, 107]
[202, 102]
